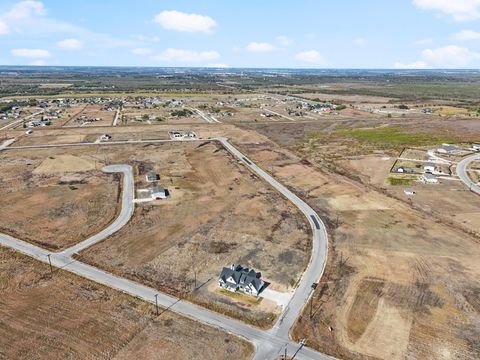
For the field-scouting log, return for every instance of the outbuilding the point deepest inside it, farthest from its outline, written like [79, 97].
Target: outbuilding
[429, 178]
[429, 167]
[152, 177]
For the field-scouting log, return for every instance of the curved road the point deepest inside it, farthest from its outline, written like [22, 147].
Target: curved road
[462, 172]
[125, 213]
[269, 344]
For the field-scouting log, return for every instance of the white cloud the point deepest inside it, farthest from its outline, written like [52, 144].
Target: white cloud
[460, 10]
[180, 21]
[284, 41]
[413, 65]
[30, 19]
[450, 56]
[466, 35]
[26, 9]
[310, 56]
[142, 51]
[260, 47]
[70, 44]
[30, 53]
[186, 56]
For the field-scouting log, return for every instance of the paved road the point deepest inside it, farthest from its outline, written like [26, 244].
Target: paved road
[117, 116]
[277, 113]
[462, 172]
[16, 122]
[125, 213]
[316, 265]
[269, 344]
[207, 117]
[7, 143]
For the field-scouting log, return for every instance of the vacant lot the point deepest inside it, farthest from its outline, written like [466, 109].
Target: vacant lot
[66, 317]
[55, 201]
[398, 284]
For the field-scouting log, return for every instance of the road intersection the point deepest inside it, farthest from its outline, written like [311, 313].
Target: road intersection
[268, 343]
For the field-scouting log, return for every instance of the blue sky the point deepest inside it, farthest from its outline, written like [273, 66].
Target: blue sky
[246, 33]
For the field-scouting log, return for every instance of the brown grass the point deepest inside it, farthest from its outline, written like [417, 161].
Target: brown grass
[63, 316]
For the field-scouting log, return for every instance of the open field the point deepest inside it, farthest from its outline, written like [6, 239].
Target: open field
[402, 278]
[55, 201]
[226, 214]
[392, 270]
[63, 316]
[218, 214]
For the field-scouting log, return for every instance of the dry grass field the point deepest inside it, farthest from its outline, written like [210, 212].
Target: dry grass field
[399, 284]
[55, 201]
[66, 317]
[218, 214]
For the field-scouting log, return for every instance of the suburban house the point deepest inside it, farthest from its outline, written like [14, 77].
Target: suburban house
[429, 178]
[152, 177]
[236, 278]
[429, 167]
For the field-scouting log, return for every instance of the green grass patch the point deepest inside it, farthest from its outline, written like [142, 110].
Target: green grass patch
[398, 181]
[395, 137]
[241, 297]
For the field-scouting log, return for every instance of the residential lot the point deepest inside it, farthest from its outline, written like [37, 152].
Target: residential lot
[63, 316]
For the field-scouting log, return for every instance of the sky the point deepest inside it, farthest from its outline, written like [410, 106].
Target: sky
[356, 34]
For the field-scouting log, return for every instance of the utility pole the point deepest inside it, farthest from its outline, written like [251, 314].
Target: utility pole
[311, 306]
[285, 355]
[50, 262]
[156, 304]
[302, 344]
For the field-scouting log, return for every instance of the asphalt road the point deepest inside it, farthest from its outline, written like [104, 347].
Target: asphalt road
[269, 344]
[462, 172]
[317, 262]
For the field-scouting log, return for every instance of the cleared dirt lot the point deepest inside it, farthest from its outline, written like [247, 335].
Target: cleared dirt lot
[55, 201]
[218, 214]
[66, 317]
[398, 284]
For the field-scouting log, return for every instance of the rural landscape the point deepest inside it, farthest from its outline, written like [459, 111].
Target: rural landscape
[194, 210]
